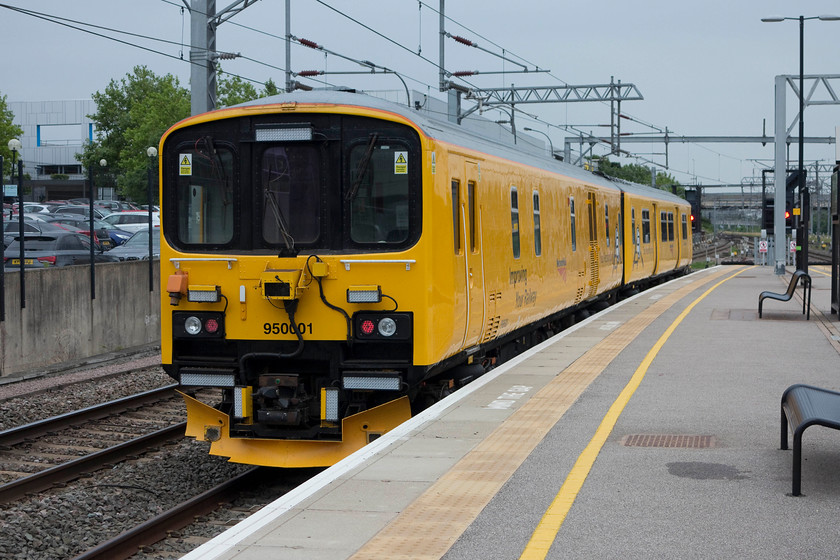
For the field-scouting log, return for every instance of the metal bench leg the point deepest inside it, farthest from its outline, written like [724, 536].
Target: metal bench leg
[784, 441]
[797, 463]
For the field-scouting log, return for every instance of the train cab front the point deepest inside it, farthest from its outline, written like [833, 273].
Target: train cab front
[292, 399]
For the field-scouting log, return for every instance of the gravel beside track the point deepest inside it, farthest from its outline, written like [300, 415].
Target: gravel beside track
[64, 522]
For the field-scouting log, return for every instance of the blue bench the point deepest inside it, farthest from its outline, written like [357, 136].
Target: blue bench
[806, 296]
[803, 406]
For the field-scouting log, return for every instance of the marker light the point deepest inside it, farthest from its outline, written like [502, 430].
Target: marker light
[300, 132]
[364, 294]
[212, 325]
[367, 326]
[205, 294]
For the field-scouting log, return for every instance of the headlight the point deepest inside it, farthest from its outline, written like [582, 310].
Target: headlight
[387, 326]
[192, 325]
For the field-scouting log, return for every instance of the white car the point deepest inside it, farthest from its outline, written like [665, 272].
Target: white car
[132, 221]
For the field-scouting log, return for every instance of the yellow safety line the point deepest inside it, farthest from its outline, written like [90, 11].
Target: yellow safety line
[543, 536]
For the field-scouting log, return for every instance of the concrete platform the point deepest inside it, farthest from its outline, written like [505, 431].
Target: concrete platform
[649, 430]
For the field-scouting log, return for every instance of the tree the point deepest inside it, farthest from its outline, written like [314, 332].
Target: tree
[8, 130]
[131, 115]
[234, 90]
[134, 112]
[637, 174]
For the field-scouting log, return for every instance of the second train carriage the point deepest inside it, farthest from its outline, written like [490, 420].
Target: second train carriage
[329, 257]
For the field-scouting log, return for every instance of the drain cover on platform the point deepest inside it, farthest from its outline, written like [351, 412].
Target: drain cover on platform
[668, 440]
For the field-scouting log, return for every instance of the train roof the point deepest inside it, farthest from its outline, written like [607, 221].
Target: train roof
[476, 133]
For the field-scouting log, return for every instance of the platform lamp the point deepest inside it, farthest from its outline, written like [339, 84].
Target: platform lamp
[152, 152]
[15, 146]
[547, 137]
[102, 163]
[801, 168]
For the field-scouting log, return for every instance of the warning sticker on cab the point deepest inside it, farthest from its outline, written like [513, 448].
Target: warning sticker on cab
[400, 163]
[185, 164]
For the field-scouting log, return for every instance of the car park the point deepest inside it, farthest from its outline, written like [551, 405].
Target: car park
[133, 221]
[137, 247]
[63, 248]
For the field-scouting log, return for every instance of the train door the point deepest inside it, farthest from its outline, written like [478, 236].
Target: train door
[474, 255]
[594, 251]
[656, 237]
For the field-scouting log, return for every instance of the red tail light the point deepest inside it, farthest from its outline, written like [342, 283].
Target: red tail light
[47, 260]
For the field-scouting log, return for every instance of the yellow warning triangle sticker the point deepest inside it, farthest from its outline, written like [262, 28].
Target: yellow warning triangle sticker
[185, 161]
[400, 159]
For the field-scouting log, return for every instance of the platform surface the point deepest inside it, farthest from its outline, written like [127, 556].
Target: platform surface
[650, 430]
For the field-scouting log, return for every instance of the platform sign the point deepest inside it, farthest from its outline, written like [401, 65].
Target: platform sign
[762, 246]
[10, 190]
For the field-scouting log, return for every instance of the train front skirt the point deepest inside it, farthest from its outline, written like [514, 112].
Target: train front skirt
[205, 423]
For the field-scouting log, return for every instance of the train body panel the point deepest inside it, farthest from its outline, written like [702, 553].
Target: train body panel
[325, 256]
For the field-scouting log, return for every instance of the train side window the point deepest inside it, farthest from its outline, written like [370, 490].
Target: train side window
[607, 223]
[456, 214]
[472, 216]
[645, 225]
[537, 233]
[663, 226]
[617, 233]
[573, 222]
[670, 226]
[514, 221]
[684, 227]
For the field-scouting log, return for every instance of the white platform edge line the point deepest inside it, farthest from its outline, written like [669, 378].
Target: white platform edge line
[223, 542]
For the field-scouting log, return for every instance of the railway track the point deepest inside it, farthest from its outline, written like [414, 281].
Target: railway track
[56, 450]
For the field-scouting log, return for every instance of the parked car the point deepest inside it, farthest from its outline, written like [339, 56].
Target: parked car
[31, 228]
[109, 235]
[137, 247]
[77, 210]
[62, 248]
[133, 221]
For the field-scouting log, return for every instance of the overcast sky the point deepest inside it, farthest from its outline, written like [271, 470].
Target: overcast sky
[704, 68]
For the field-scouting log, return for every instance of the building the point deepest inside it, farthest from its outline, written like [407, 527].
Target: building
[53, 133]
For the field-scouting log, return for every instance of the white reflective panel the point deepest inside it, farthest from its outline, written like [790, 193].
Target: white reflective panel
[238, 411]
[207, 380]
[372, 383]
[331, 405]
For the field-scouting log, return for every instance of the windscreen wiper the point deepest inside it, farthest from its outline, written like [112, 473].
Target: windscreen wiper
[362, 167]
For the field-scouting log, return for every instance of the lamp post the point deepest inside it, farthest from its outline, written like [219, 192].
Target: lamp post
[102, 163]
[15, 145]
[152, 152]
[547, 137]
[801, 167]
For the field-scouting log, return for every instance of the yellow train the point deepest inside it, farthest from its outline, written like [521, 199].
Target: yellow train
[331, 260]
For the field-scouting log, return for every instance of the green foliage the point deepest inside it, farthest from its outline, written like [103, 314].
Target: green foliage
[234, 90]
[8, 130]
[638, 174]
[59, 177]
[133, 113]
